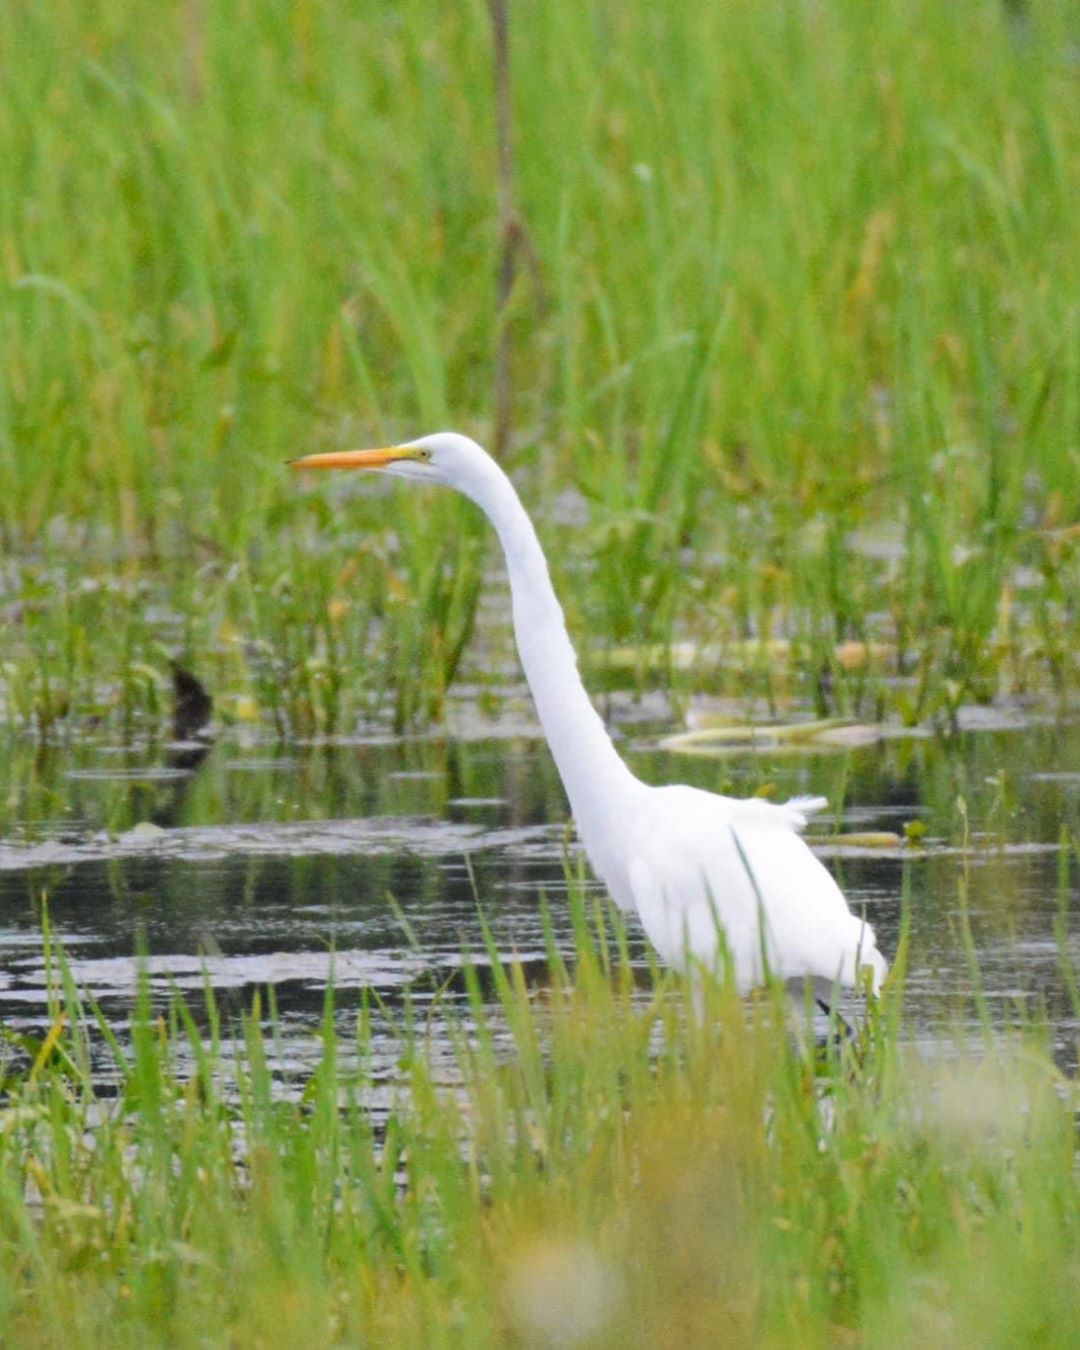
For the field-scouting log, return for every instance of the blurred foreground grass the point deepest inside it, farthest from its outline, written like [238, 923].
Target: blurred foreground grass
[593, 1165]
[799, 355]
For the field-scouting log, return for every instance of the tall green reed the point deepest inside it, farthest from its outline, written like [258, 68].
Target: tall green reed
[790, 265]
[599, 1157]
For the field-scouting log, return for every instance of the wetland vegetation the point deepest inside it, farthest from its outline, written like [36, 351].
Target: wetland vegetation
[797, 360]
[794, 374]
[595, 1166]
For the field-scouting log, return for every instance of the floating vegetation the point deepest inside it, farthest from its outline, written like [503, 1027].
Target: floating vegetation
[717, 737]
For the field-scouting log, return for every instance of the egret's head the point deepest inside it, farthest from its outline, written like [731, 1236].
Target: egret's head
[445, 457]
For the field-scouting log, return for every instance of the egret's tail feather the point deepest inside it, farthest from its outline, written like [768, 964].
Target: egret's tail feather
[799, 809]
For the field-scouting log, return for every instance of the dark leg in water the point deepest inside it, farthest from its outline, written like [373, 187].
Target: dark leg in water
[845, 1031]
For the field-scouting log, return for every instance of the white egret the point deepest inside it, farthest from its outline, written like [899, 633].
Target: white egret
[689, 863]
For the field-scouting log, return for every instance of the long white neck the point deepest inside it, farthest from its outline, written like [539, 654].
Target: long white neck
[596, 779]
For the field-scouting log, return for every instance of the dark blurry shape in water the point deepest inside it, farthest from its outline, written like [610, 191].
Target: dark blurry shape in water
[192, 735]
[192, 707]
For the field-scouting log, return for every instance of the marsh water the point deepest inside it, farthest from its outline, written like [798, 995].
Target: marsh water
[370, 860]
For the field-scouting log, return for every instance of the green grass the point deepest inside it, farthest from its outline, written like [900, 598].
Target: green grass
[803, 270]
[596, 1165]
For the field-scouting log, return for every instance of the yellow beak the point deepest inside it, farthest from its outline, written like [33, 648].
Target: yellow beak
[355, 459]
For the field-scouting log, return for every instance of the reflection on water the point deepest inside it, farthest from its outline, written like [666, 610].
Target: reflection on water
[372, 860]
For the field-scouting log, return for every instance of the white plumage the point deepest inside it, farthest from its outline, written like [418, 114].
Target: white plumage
[691, 864]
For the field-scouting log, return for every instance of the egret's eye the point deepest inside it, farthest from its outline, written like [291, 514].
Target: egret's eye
[423, 456]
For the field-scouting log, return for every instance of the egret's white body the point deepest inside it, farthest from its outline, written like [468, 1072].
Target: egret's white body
[711, 878]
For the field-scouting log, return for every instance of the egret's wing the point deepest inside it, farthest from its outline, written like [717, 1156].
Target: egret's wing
[682, 920]
[689, 885]
[703, 861]
[810, 928]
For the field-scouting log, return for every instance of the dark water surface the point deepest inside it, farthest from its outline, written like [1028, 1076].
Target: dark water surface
[265, 866]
